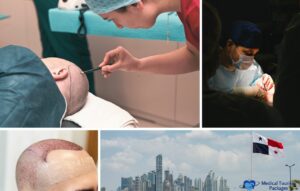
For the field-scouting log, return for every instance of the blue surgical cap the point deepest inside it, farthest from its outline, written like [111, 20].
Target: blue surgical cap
[105, 6]
[247, 34]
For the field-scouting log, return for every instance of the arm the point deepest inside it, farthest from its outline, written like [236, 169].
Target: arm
[183, 60]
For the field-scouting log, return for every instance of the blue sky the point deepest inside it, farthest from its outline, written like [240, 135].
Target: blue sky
[194, 154]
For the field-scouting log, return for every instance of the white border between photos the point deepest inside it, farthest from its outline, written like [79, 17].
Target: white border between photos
[200, 67]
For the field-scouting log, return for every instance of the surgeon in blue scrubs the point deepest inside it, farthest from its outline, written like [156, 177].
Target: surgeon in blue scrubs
[222, 109]
[238, 71]
[238, 68]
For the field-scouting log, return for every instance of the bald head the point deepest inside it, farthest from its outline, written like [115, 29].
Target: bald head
[55, 165]
[72, 84]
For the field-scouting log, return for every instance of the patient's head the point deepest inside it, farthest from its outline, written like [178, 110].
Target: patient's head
[73, 85]
[56, 165]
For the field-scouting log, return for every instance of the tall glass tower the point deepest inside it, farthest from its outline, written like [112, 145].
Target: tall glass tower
[159, 171]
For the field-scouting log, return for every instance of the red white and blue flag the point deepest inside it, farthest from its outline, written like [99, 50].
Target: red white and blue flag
[266, 146]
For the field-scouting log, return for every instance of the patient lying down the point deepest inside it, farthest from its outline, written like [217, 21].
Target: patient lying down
[42, 92]
[56, 165]
[74, 86]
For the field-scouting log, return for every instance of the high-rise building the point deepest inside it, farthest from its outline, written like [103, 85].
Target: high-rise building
[144, 182]
[198, 184]
[151, 180]
[213, 183]
[159, 169]
[137, 184]
[223, 185]
[168, 182]
[179, 184]
[151, 177]
[216, 185]
[127, 184]
[209, 181]
[187, 184]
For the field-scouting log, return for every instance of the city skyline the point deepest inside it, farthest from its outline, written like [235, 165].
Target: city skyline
[227, 153]
[154, 181]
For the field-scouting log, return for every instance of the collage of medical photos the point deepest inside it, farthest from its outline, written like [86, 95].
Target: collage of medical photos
[149, 95]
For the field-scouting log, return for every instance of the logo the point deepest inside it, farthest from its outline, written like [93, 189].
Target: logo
[249, 185]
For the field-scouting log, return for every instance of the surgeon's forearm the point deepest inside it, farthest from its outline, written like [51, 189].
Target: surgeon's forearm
[179, 61]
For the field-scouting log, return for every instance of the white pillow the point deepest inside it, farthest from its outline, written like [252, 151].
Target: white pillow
[99, 113]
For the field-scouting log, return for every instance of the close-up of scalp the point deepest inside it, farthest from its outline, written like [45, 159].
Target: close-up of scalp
[36, 155]
[42, 148]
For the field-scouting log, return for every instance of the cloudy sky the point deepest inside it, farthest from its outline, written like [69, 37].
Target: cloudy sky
[194, 154]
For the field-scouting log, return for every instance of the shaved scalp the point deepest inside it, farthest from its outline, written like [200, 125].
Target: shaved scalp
[74, 87]
[35, 156]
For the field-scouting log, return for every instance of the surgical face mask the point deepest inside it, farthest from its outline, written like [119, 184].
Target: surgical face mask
[244, 62]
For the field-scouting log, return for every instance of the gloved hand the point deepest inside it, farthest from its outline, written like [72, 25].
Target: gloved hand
[266, 88]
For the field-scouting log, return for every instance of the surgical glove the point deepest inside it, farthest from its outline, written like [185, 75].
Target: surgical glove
[266, 88]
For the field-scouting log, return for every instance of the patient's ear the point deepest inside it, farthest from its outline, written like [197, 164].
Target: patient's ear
[59, 73]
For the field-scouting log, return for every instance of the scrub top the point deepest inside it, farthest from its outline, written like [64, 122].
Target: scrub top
[189, 16]
[225, 80]
[63, 45]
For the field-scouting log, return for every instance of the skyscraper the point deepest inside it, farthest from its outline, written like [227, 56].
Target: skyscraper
[168, 182]
[137, 184]
[159, 169]
[127, 183]
[198, 184]
[179, 184]
[213, 183]
[187, 184]
[144, 182]
[151, 179]
[209, 181]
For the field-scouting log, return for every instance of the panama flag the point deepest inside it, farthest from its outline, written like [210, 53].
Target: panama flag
[266, 146]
